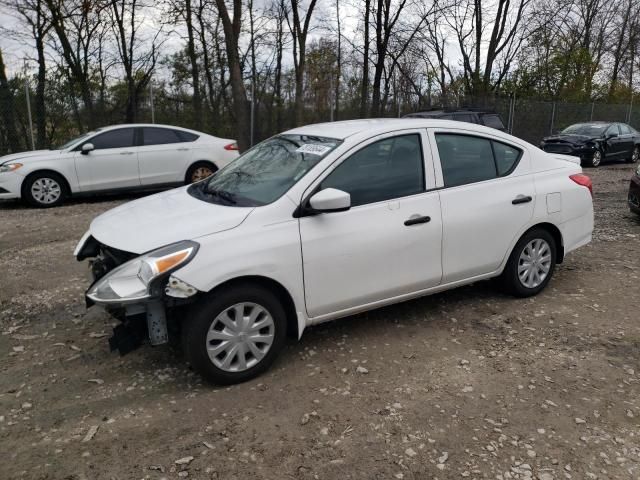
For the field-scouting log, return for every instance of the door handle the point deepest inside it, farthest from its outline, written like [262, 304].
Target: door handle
[417, 219]
[183, 149]
[126, 153]
[521, 199]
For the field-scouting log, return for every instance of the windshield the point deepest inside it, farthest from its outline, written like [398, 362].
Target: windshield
[264, 173]
[71, 142]
[587, 129]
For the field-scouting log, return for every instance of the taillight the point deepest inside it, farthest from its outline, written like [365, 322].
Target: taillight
[231, 146]
[583, 180]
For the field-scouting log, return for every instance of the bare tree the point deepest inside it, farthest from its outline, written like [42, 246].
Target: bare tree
[300, 30]
[232, 30]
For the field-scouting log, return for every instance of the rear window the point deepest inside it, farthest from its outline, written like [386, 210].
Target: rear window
[492, 121]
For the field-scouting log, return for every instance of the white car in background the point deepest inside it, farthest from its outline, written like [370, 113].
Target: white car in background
[328, 220]
[112, 159]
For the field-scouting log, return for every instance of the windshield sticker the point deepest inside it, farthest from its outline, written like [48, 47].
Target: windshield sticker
[314, 149]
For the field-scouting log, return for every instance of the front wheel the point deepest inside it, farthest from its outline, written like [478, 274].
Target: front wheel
[44, 190]
[635, 155]
[596, 159]
[531, 264]
[234, 334]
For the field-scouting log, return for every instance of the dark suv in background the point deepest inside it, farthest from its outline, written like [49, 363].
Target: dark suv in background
[470, 115]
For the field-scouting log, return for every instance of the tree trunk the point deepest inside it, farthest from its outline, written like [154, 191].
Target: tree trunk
[238, 91]
[195, 73]
[364, 86]
[7, 111]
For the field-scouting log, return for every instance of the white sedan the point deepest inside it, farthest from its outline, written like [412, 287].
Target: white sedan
[328, 220]
[112, 159]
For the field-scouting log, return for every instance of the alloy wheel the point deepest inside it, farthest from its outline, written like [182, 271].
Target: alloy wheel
[240, 337]
[201, 173]
[46, 191]
[635, 155]
[597, 158]
[534, 263]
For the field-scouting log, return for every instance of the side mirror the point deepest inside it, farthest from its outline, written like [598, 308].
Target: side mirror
[330, 200]
[86, 148]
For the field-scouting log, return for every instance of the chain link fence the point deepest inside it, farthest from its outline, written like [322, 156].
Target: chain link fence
[22, 127]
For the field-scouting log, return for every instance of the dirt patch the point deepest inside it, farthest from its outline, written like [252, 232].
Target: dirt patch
[464, 384]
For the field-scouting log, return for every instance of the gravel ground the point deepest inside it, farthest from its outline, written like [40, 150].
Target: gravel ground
[465, 384]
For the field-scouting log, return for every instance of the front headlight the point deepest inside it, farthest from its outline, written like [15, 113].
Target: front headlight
[10, 167]
[133, 281]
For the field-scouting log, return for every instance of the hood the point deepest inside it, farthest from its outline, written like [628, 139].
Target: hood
[573, 139]
[27, 155]
[161, 219]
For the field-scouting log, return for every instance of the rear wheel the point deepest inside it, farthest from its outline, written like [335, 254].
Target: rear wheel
[234, 334]
[635, 155]
[44, 189]
[199, 171]
[531, 264]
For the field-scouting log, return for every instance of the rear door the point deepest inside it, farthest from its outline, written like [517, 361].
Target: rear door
[112, 164]
[487, 198]
[163, 156]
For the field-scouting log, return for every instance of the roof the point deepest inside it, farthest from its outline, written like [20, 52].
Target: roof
[344, 129]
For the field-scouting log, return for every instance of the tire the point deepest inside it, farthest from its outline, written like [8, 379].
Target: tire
[44, 189]
[199, 171]
[526, 285]
[596, 159]
[209, 342]
[635, 155]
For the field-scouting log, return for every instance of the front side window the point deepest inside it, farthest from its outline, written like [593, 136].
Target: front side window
[159, 136]
[120, 138]
[613, 130]
[625, 129]
[384, 170]
[264, 173]
[467, 159]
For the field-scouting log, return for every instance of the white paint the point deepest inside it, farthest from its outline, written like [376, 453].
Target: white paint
[336, 264]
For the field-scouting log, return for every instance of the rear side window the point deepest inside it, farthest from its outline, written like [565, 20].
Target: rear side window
[465, 117]
[120, 138]
[624, 129]
[159, 136]
[506, 157]
[187, 136]
[384, 170]
[468, 159]
[492, 121]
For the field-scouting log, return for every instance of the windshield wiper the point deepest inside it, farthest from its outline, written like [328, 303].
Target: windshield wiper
[226, 196]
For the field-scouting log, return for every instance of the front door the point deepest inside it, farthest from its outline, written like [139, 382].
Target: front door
[487, 198]
[389, 242]
[112, 164]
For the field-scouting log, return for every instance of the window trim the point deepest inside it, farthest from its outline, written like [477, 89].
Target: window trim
[429, 170]
[435, 154]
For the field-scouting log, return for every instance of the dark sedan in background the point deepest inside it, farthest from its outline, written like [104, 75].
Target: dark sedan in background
[634, 193]
[596, 142]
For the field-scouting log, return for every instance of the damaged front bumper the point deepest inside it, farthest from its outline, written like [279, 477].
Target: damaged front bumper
[138, 290]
